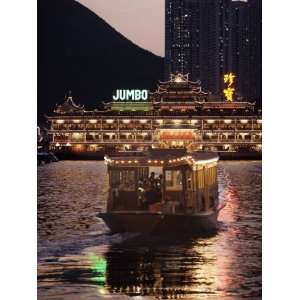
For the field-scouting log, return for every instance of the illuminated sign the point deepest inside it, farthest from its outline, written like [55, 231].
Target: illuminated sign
[229, 90]
[131, 95]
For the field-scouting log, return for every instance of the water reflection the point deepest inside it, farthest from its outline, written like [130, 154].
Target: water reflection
[90, 264]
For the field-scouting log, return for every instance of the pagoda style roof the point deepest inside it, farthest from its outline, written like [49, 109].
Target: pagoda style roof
[179, 83]
[68, 106]
[179, 89]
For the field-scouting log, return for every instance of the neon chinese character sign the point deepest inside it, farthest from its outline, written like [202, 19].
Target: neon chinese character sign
[229, 90]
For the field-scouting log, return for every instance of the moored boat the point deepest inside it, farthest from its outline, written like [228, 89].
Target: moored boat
[162, 191]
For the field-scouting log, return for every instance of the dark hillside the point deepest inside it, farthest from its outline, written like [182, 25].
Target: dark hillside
[79, 51]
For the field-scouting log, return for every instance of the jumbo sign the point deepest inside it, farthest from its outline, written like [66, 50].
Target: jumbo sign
[131, 95]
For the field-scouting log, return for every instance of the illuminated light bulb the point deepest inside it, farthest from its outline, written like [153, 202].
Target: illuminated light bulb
[60, 121]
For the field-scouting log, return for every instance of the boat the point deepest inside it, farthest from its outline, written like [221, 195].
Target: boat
[46, 157]
[162, 191]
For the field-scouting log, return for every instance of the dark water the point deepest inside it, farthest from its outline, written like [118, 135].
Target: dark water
[79, 259]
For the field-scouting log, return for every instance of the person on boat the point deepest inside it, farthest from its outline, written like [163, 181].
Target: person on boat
[152, 179]
[141, 193]
[144, 191]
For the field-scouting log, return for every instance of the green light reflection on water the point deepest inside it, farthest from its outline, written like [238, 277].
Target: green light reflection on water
[99, 267]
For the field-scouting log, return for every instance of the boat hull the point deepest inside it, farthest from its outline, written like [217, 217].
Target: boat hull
[159, 223]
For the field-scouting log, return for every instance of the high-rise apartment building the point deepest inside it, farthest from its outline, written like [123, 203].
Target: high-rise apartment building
[196, 40]
[208, 38]
[245, 47]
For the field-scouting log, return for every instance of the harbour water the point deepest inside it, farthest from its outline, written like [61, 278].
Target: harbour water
[79, 259]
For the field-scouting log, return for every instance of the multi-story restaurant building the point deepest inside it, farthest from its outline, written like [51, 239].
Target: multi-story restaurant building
[177, 115]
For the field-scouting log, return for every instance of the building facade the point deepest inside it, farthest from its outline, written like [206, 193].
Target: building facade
[177, 115]
[197, 40]
[209, 38]
[245, 47]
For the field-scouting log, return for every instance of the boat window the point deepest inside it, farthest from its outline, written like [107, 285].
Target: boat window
[200, 179]
[189, 180]
[142, 174]
[211, 175]
[127, 180]
[115, 179]
[173, 180]
[123, 180]
[157, 170]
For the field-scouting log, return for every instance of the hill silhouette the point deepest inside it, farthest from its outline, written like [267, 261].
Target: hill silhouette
[79, 51]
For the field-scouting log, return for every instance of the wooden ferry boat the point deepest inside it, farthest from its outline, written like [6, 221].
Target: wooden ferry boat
[162, 191]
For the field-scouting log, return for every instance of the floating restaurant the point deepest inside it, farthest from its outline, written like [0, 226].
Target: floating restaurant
[179, 114]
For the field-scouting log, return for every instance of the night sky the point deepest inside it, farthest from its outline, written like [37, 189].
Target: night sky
[141, 21]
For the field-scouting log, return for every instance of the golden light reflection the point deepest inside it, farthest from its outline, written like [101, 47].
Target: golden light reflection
[224, 251]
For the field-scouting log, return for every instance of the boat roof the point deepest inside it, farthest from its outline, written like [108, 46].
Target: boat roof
[161, 157]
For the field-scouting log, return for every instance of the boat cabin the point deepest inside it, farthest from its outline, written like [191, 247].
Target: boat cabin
[167, 181]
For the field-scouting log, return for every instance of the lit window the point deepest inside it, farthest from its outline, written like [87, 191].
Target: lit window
[177, 121]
